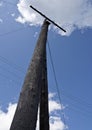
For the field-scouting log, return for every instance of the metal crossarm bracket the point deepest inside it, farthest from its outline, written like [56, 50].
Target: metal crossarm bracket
[47, 18]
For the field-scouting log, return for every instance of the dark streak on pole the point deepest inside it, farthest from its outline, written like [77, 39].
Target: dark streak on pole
[47, 18]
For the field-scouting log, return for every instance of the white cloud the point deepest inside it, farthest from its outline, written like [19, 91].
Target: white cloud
[53, 105]
[69, 14]
[6, 118]
[20, 20]
[55, 121]
[51, 95]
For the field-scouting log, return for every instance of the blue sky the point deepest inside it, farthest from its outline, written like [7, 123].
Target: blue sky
[71, 54]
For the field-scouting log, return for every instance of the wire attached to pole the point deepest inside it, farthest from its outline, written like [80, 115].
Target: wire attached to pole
[57, 87]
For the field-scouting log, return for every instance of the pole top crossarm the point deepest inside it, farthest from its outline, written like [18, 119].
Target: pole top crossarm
[47, 18]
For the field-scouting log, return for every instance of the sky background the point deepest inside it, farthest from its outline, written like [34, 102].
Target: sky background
[71, 54]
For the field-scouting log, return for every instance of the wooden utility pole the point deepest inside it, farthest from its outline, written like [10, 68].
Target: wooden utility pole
[35, 87]
[34, 90]
[44, 109]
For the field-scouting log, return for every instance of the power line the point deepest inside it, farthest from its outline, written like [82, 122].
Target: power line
[66, 95]
[9, 80]
[79, 105]
[13, 31]
[74, 99]
[19, 68]
[10, 72]
[57, 87]
[83, 113]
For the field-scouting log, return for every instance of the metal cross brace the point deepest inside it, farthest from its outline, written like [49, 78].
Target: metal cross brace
[47, 18]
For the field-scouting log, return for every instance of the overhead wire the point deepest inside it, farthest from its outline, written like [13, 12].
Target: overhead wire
[5, 60]
[74, 106]
[10, 72]
[65, 94]
[57, 87]
[7, 77]
[13, 31]
[71, 99]
[76, 99]
[87, 110]
[83, 113]
[78, 105]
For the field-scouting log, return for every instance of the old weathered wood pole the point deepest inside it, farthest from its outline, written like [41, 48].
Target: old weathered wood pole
[25, 117]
